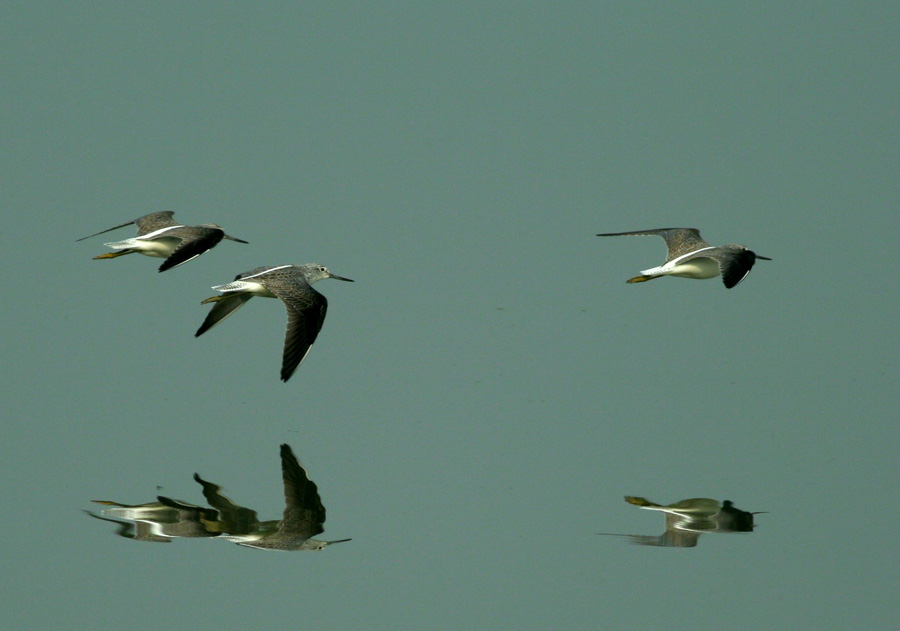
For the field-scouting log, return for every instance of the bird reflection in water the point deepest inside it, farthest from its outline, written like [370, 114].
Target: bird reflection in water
[157, 522]
[160, 521]
[688, 519]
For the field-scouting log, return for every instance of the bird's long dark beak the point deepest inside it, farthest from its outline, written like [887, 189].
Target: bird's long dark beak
[338, 541]
[765, 258]
[235, 239]
[336, 277]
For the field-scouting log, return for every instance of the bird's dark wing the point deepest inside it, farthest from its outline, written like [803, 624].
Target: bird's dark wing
[195, 240]
[735, 262]
[127, 223]
[679, 241]
[145, 224]
[224, 307]
[155, 221]
[306, 310]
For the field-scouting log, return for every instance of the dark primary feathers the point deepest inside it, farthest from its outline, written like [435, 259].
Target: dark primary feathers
[224, 307]
[736, 266]
[304, 513]
[306, 314]
[195, 241]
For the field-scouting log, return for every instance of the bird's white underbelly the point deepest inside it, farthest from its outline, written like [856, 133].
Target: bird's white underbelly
[160, 248]
[694, 268]
[257, 289]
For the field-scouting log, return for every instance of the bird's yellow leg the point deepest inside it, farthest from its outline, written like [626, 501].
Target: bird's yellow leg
[212, 299]
[112, 255]
[640, 279]
[639, 501]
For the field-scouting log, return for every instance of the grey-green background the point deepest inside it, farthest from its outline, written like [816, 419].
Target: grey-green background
[480, 400]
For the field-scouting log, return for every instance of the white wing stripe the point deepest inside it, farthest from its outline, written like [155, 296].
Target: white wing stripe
[157, 233]
[266, 271]
[674, 262]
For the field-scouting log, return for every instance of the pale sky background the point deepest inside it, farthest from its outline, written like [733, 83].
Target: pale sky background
[485, 393]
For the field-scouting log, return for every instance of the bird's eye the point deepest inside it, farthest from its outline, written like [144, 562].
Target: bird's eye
[323, 268]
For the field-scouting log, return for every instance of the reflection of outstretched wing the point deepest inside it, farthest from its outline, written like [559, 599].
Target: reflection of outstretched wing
[187, 510]
[669, 539]
[232, 519]
[153, 521]
[139, 531]
[304, 514]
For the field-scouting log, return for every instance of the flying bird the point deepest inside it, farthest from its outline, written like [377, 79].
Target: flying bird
[688, 519]
[292, 285]
[162, 520]
[691, 257]
[303, 517]
[161, 236]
